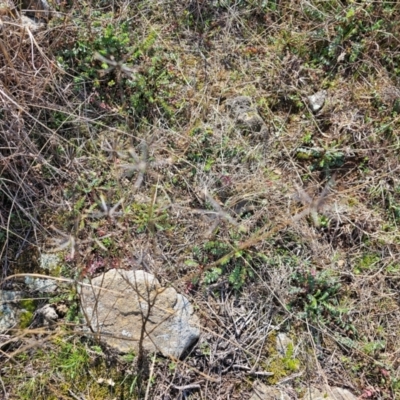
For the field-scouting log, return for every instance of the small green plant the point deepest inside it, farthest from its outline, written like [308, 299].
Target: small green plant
[307, 138]
[212, 275]
[205, 349]
[25, 319]
[238, 276]
[107, 55]
[393, 268]
[322, 159]
[210, 251]
[280, 365]
[129, 357]
[371, 348]
[172, 366]
[201, 150]
[149, 217]
[316, 298]
[215, 248]
[367, 263]
[71, 358]
[97, 349]
[28, 308]
[67, 359]
[207, 253]
[331, 159]
[107, 242]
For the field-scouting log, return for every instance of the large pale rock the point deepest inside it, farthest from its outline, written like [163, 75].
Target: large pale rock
[125, 307]
[330, 393]
[264, 392]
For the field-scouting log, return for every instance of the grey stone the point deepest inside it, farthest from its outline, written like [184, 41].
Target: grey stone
[317, 100]
[8, 317]
[126, 307]
[264, 392]
[9, 310]
[48, 313]
[42, 285]
[49, 261]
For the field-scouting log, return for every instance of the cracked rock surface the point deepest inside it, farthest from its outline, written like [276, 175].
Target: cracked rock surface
[126, 307]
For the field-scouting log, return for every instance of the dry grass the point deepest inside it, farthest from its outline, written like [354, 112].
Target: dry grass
[138, 163]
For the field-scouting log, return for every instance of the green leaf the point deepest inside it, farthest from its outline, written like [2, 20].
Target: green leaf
[350, 13]
[191, 263]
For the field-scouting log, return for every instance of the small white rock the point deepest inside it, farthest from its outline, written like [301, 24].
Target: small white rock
[49, 261]
[317, 100]
[282, 343]
[48, 313]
